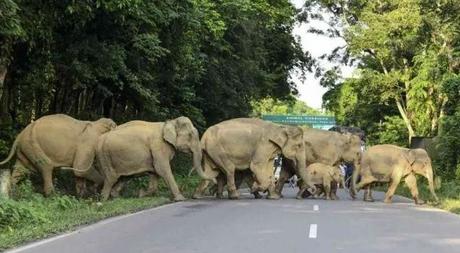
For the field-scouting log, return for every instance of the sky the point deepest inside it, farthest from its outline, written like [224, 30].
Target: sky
[310, 90]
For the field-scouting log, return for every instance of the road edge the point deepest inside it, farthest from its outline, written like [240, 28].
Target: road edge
[79, 229]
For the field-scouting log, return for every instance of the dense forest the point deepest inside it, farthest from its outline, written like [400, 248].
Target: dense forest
[151, 60]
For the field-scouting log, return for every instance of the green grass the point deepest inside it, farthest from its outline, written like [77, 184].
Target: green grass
[30, 216]
[448, 194]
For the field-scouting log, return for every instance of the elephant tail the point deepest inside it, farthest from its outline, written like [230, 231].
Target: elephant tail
[354, 181]
[12, 150]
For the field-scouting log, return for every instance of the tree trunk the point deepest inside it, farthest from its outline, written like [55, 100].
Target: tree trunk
[405, 118]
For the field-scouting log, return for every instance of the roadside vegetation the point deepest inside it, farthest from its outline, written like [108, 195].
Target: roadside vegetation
[30, 216]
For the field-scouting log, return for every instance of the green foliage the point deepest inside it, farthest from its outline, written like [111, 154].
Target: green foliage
[393, 131]
[146, 60]
[292, 105]
[404, 51]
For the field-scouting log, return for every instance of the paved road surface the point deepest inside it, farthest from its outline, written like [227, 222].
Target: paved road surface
[288, 225]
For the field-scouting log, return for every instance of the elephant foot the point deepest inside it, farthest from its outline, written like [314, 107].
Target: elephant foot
[196, 196]
[233, 195]
[273, 196]
[419, 201]
[179, 198]
[387, 201]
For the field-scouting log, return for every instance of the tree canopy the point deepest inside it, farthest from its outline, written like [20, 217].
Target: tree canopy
[149, 60]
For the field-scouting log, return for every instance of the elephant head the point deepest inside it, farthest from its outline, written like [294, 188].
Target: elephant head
[290, 140]
[351, 147]
[183, 136]
[420, 163]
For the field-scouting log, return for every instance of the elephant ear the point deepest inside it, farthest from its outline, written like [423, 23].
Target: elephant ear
[410, 156]
[278, 136]
[169, 132]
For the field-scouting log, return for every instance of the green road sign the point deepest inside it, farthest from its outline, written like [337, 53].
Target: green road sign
[324, 122]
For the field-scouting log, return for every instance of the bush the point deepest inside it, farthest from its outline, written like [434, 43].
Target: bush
[13, 213]
[449, 144]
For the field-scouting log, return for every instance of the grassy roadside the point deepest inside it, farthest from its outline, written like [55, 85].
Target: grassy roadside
[32, 217]
[448, 193]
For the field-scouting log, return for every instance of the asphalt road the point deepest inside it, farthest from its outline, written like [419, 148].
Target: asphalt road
[287, 225]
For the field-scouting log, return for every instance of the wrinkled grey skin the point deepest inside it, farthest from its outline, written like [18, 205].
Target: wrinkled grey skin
[390, 163]
[59, 141]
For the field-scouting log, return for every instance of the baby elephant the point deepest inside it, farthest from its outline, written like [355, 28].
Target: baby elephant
[321, 177]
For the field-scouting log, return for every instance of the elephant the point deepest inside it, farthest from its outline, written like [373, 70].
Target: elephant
[326, 147]
[249, 143]
[390, 163]
[138, 146]
[59, 141]
[324, 177]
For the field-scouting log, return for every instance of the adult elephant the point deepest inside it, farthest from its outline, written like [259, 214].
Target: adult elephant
[326, 147]
[239, 144]
[139, 146]
[55, 141]
[390, 163]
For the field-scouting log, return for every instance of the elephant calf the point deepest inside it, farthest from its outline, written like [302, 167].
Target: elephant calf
[321, 177]
[139, 146]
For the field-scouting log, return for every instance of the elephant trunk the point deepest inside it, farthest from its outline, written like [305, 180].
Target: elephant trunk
[197, 161]
[301, 166]
[354, 178]
[429, 176]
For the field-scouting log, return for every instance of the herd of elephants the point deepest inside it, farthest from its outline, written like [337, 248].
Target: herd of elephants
[229, 153]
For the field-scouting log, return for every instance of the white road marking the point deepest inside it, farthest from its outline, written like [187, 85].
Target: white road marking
[313, 231]
[315, 208]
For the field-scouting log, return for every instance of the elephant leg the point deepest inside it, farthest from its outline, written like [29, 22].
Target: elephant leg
[21, 169]
[47, 175]
[306, 186]
[200, 189]
[327, 189]
[152, 187]
[368, 194]
[116, 189]
[411, 183]
[391, 190]
[334, 187]
[365, 181]
[250, 183]
[220, 186]
[107, 188]
[283, 177]
[231, 187]
[163, 169]
[80, 186]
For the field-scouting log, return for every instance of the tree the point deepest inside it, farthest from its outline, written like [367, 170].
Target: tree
[404, 49]
[292, 106]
